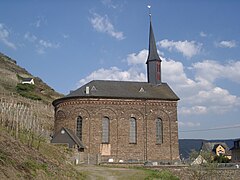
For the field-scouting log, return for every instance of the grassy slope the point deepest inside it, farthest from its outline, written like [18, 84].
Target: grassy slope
[18, 161]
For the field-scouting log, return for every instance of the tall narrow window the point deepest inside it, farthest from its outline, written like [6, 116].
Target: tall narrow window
[158, 68]
[105, 130]
[159, 131]
[133, 131]
[79, 127]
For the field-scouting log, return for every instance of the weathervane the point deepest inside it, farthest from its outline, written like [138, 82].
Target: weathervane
[149, 11]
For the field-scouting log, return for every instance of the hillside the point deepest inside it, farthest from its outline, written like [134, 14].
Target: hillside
[19, 161]
[11, 75]
[25, 128]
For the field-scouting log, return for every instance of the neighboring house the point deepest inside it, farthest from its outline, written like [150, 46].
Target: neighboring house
[66, 136]
[27, 81]
[216, 148]
[124, 120]
[236, 151]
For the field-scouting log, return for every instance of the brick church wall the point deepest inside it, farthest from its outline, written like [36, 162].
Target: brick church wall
[119, 111]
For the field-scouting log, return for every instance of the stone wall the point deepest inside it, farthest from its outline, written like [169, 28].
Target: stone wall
[201, 173]
[119, 111]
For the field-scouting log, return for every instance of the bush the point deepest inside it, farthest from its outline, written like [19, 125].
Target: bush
[221, 159]
[28, 91]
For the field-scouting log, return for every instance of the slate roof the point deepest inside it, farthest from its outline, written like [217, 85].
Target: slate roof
[123, 90]
[72, 135]
[152, 55]
[27, 79]
[211, 146]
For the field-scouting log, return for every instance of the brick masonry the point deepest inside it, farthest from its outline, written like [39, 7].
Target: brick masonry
[119, 111]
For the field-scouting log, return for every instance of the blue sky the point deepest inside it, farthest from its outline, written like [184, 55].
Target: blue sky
[68, 43]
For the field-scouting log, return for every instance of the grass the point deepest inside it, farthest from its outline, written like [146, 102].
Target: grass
[163, 175]
[156, 174]
[27, 91]
[32, 166]
[18, 160]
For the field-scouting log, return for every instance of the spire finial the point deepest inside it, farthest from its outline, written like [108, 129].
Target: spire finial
[149, 12]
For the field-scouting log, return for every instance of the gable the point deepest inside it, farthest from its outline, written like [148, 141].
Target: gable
[66, 136]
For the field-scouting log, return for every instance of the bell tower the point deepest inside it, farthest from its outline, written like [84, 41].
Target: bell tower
[153, 60]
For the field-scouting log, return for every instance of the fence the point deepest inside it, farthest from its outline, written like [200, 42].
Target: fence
[22, 116]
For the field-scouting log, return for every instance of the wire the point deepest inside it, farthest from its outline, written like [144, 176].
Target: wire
[212, 129]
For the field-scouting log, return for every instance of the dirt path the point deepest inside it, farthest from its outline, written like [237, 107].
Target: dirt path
[110, 173]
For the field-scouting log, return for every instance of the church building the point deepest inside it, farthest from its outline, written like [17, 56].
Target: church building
[122, 121]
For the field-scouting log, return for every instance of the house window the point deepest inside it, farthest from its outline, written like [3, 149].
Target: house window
[159, 131]
[79, 127]
[105, 130]
[133, 131]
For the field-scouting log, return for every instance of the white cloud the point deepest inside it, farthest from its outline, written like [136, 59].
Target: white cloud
[114, 73]
[40, 44]
[188, 124]
[65, 36]
[139, 58]
[102, 24]
[193, 110]
[211, 70]
[39, 22]
[30, 37]
[203, 34]
[4, 37]
[109, 3]
[187, 48]
[227, 44]
[199, 95]
[47, 44]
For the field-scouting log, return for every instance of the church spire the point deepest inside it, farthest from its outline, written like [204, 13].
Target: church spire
[152, 55]
[153, 60]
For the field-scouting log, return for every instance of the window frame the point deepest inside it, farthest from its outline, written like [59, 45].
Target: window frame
[159, 131]
[105, 130]
[133, 130]
[79, 127]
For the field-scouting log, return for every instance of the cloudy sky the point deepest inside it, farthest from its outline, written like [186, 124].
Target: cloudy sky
[69, 42]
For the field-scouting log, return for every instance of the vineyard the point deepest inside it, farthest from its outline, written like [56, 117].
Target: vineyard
[25, 119]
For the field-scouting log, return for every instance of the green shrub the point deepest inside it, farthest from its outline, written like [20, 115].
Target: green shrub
[221, 159]
[25, 87]
[28, 91]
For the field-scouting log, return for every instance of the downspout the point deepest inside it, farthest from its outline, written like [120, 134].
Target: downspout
[146, 130]
[170, 136]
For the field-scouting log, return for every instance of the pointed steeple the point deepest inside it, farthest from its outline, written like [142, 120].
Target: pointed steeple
[153, 60]
[152, 54]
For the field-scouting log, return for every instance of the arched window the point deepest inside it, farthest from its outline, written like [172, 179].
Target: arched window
[133, 131]
[79, 127]
[60, 115]
[105, 130]
[159, 131]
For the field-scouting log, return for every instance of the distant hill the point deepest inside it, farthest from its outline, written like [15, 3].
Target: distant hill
[12, 74]
[187, 145]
